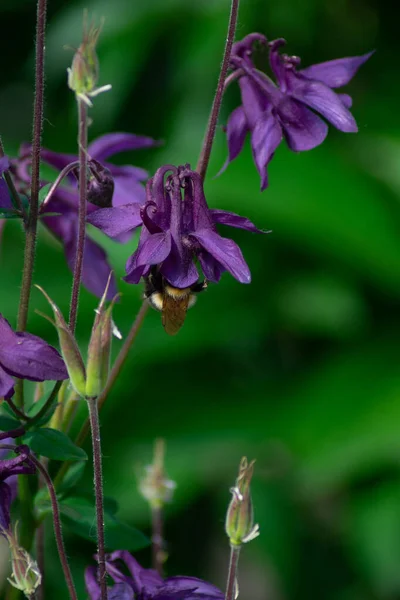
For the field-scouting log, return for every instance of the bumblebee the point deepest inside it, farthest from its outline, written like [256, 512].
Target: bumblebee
[172, 302]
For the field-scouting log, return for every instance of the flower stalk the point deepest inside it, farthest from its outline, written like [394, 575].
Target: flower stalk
[80, 249]
[213, 119]
[98, 490]
[57, 527]
[232, 585]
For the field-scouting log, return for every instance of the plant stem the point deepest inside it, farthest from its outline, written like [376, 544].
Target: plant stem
[231, 585]
[17, 412]
[114, 373]
[31, 226]
[57, 528]
[98, 490]
[80, 248]
[116, 369]
[40, 558]
[46, 407]
[157, 538]
[212, 122]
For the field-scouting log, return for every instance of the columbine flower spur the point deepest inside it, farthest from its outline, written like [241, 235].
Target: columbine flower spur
[271, 111]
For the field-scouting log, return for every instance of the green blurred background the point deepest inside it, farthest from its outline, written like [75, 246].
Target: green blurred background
[299, 370]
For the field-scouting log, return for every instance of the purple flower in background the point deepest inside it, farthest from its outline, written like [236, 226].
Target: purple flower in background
[5, 200]
[26, 356]
[9, 469]
[287, 108]
[178, 227]
[127, 186]
[147, 584]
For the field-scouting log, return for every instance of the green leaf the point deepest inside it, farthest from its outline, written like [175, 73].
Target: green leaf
[54, 444]
[79, 516]
[72, 477]
[7, 423]
[9, 214]
[37, 407]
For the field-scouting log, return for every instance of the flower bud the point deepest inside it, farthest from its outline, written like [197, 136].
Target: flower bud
[84, 71]
[98, 362]
[100, 185]
[69, 348]
[155, 486]
[25, 575]
[239, 525]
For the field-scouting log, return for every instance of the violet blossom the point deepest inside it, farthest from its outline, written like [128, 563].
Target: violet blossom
[287, 108]
[9, 469]
[127, 189]
[178, 228]
[146, 584]
[5, 200]
[26, 356]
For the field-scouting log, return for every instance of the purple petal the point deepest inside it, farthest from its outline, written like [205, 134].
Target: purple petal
[154, 250]
[346, 100]
[201, 589]
[146, 580]
[29, 357]
[255, 100]
[5, 199]
[231, 219]
[127, 172]
[336, 73]
[128, 191]
[211, 268]
[58, 160]
[4, 164]
[120, 591]
[236, 129]
[96, 269]
[113, 143]
[92, 584]
[226, 252]
[6, 384]
[116, 220]
[265, 138]
[179, 269]
[5, 505]
[303, 129]
[321, 98]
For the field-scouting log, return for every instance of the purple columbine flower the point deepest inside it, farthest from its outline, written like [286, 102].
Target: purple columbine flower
[147, 584]
[127, 187]
[26, 356]
[287, 108]
[178, 228]
[5, 200]
[9, 469]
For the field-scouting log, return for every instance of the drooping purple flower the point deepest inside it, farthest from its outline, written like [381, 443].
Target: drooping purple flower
[287, 108]
[9, 469]
[26, 356]
[124, 184]
[178, 228]
[147, 584]
[5, 199]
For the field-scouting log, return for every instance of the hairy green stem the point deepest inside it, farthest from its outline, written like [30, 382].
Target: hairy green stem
[213, 119]
[231, 586]
[98, 491]
[57, 528]
[80, 249]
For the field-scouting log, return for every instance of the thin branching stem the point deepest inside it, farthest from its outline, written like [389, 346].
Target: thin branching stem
[70, 167]
[80, 248]
[157, 539]
[57, 527]
[213, 119]
[114, 373]
[98, 491]
[231, 585]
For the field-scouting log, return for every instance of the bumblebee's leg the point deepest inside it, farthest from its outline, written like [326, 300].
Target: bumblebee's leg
[200, 286]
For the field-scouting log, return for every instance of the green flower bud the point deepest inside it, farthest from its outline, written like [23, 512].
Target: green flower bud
[98, 362]
[239, 525]
[155, 486]
[69, 348]
[25, 575]
[84, 71]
